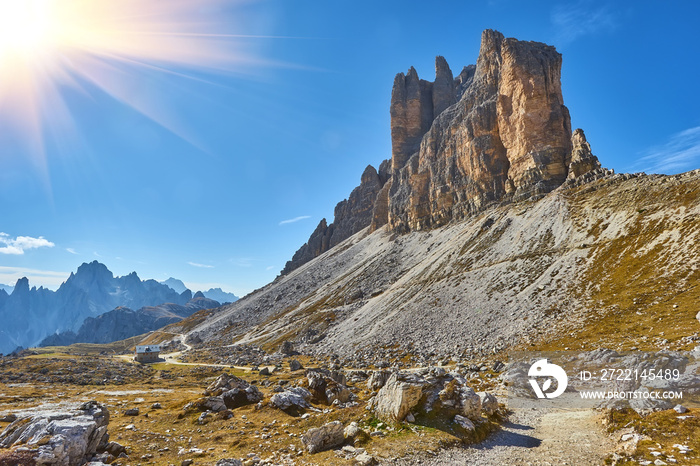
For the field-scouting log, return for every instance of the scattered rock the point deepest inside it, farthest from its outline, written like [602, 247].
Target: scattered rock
[115, 449]
[680, 409]
[156, 406]
[131, 412]
[8, 418]
[351, 431]
[364, 459]
[323, 438]
[229, 462]
[287, 348]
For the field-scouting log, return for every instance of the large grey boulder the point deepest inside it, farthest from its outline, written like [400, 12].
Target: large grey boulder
[323, 438]
[60, 437]
[233, 392]
[398, 397]
[296, 397]
[431, 391]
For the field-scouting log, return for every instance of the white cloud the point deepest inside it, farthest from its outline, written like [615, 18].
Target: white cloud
[72, 251]
[681, 152]
[17, 246]
[295, 219]
[572, 21]
[201, 266]
[270, 267]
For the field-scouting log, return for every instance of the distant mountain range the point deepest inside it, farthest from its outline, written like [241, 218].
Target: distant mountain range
[216, 294]
[29, 315]
[122, 322]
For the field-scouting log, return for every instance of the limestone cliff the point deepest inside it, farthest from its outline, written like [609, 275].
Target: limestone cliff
[508, 137]
[498, 132]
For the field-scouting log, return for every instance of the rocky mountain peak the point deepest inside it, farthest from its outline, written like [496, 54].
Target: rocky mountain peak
[582, 159]
[499, 132]
[21, 287]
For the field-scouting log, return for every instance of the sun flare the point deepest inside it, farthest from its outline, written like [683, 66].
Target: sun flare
[48, 47]
[26, 28]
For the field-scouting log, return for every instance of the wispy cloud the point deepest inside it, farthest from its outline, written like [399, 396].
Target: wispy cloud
[270, 267]
[72, 251]
[47, 278]
[681, 152]
[17, 246]
[243, 261]
[201, 266]
[295, 219]
[582, 18]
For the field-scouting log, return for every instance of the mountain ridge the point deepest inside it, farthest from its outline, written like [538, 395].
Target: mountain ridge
[498, 132]
[121, 323]
[488, 234]
[31, 314]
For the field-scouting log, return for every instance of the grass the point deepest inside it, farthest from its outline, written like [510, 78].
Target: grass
[637, 296]
[158, 434]
[663, 430]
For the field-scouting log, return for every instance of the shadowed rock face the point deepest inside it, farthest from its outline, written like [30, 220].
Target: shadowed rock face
[498, 132]
[351, 215]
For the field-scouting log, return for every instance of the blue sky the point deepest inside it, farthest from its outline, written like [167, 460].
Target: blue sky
[245, 159]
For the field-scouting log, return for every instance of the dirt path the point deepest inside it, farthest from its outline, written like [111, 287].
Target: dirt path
[534, 438]
[174, 358]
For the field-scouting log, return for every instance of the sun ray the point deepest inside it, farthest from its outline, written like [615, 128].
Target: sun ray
[50, 46]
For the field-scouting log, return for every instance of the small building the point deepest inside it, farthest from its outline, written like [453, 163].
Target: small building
[148, 353]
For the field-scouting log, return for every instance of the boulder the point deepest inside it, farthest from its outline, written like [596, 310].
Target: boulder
[296, 397]
[398, 397]
[489, 403]
[317, 386]
[295, 365]
[464, 423]
[364, 459]
[377, 379]
[431, 391]
[60, 437]
[323, 438]
[234, 392]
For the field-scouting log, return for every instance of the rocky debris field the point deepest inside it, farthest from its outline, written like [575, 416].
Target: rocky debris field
[71, 371]
[291, 412]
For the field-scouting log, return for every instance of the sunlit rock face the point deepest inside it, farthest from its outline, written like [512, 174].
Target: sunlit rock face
[507, 135]
[498, 132]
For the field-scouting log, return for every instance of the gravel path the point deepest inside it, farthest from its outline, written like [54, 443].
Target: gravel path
[532, 438]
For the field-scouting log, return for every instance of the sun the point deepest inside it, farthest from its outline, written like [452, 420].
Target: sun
[50, 49]
[27, 28]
